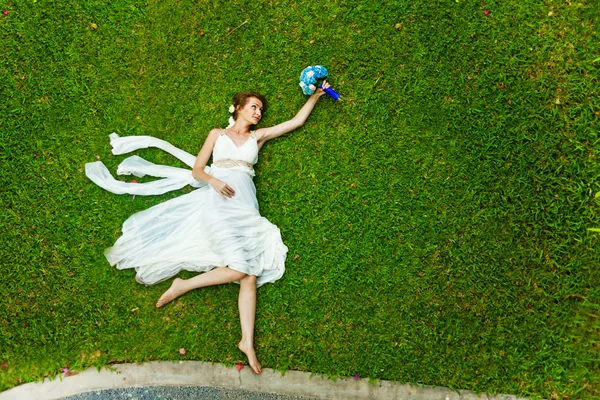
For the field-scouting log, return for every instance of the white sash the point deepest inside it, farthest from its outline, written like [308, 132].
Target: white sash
[173, 178]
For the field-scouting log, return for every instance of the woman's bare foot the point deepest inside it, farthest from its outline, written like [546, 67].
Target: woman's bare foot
[172, 293]
[248, 350]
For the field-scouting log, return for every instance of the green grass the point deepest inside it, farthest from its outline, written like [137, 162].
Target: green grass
[437, 221]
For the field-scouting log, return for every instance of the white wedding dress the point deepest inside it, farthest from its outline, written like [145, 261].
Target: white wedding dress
[197, 231]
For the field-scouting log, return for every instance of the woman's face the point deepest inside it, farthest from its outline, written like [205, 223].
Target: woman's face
[252, 111]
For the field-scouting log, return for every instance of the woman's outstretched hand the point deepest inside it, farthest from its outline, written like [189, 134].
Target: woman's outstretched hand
[222, 188]
[320, 90]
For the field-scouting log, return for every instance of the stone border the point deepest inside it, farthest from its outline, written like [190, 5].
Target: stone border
[196, 373]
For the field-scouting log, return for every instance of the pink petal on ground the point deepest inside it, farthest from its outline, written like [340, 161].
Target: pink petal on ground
[4, 365]
[239, 367]
[133, 181]
[486, 12]
[502, 86]
[5, 12]
[65, 370]
[182, 351]
[357, 377]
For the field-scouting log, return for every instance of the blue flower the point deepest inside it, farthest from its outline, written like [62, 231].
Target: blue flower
[309, 77]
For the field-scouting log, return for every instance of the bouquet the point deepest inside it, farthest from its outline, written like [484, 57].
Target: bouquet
[309, 78]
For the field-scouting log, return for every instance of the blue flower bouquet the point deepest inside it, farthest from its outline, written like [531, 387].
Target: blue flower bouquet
[309, 78]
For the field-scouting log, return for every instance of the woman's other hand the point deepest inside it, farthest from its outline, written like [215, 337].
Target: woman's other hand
[222, 188]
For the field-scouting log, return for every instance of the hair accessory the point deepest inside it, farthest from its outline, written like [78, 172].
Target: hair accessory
[231, 122]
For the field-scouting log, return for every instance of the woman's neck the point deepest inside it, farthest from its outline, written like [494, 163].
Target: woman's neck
[240, 127]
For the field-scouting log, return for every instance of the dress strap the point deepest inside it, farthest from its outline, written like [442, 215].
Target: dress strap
[223, 132]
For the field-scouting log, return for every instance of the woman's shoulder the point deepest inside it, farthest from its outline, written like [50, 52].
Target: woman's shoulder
[258, 134]
[213, 135]
[216, 132]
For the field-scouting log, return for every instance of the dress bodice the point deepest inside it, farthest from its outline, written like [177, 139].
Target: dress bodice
[226, 149]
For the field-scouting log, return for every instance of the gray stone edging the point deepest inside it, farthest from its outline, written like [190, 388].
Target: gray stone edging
[196, 373]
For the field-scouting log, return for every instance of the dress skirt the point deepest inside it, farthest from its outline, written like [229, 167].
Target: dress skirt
[200, 231]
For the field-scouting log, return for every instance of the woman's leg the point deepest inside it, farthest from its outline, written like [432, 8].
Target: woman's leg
[215, 276]
[247, 307]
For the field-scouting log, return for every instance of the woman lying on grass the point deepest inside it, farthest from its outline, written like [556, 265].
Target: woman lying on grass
[216, 229]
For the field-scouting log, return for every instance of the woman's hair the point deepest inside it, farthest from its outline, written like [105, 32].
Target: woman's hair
[241, 98]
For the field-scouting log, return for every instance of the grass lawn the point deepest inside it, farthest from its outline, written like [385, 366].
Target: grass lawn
[438, 217]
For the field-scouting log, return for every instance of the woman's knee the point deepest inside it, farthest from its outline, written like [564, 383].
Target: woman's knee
[236, 275]
[249, 279]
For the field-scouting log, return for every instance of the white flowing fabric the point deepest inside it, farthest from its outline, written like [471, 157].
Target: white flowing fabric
[197, 231]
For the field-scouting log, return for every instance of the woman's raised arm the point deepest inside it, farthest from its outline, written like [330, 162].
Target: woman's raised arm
[264, 134]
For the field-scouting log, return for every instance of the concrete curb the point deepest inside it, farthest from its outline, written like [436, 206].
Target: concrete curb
[195, 373]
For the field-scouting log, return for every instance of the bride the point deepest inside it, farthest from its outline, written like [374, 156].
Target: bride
[215, 229]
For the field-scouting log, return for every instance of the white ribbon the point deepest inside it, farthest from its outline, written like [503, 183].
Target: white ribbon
[173, 178]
